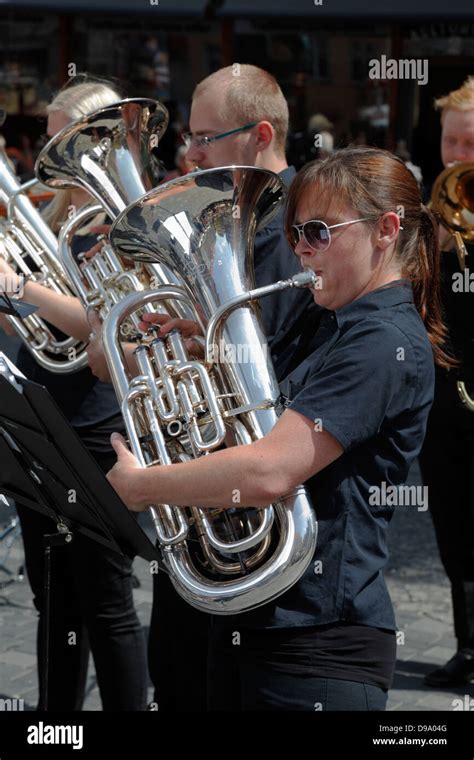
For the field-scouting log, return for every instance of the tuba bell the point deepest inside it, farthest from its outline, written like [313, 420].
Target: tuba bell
[202, 228]
[108, 153]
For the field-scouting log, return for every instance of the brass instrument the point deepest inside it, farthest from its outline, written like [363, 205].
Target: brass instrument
[202, 228]
[452, 200]
[31, 249]
[108, 154]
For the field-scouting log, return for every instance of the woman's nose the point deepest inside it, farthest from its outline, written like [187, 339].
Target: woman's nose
[302, 248]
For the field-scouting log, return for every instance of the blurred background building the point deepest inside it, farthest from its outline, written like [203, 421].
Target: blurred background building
[318, 50]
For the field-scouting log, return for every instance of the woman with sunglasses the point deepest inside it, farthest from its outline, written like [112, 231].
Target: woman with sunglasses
[359, 389]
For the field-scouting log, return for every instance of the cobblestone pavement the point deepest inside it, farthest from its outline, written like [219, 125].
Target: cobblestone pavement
[416, 580]
[422, 600]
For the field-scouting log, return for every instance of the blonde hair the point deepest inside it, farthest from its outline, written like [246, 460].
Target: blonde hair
[461, 99]
[74, 102]
[249, 94]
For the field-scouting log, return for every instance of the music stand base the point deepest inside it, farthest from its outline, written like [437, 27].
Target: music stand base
[50, 540]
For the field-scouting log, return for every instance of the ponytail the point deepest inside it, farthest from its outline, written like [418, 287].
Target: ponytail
[372, 182]
[424, 271]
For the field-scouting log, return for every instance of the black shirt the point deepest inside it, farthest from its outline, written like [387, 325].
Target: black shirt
[343, 651]
[274, 260]
[457, 296]
[368, 379]
[89, 404]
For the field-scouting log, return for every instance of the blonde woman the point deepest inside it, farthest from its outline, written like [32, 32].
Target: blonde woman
[92, 587]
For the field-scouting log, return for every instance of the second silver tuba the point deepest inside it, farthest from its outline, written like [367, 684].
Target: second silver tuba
[108, 153]
[202, 228]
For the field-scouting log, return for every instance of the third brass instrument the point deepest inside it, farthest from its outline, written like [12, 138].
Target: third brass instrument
[452, 200]
[202, 228]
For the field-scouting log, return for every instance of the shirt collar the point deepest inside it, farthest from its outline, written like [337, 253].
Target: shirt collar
[287, 175]
[396, 292]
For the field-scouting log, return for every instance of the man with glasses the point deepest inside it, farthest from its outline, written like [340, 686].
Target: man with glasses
[238, 116]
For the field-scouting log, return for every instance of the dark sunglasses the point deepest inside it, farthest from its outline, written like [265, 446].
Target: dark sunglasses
[315, 233]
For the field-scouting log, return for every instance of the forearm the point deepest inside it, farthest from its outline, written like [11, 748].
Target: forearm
[256, 474]
[64, 312]
[129, 353]
[234, 477]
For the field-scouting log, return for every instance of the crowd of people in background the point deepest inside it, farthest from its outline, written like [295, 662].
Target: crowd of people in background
[331, 639]
[320, 138]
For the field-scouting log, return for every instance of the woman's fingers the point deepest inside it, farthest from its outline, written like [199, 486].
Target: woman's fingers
[149, 319]
[100, 229]
[92, 251]
[5, 268]
[186, 327]
[167, 323]
[194, 348]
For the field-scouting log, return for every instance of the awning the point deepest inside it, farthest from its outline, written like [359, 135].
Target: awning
[272, 9]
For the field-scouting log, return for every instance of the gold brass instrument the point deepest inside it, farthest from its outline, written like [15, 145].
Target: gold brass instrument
[108, 154]
[202, 228]
[452, 200]
[31, 249]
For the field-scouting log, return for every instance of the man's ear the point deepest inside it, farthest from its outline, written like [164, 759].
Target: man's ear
[265, 133]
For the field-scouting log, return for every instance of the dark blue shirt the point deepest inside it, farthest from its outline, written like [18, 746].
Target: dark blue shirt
[275, 260]
[457, 295]
[367, 377]
[89, 404]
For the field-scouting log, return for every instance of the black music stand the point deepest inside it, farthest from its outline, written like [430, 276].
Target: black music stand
[45, 466]
[15, 308]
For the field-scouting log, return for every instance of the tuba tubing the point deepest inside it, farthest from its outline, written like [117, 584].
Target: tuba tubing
[298, 527]
[24, 234]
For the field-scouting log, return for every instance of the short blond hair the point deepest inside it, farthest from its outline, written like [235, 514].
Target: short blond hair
[461, 99]
[249, 94]
[83, 98]
[75, 101]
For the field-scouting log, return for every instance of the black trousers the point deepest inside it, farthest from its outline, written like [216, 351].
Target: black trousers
[263, 671]
[447, 465]
[91, 607]
[196, 666]
[177, 650]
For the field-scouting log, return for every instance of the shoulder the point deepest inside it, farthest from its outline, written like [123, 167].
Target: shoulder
[274, 229]
[393, 349]
[384, 334]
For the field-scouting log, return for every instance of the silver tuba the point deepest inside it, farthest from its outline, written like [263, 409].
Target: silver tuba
[202, 228]
[31, 249]
[108, 154]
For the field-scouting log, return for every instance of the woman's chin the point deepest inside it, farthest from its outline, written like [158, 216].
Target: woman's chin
[319, 298]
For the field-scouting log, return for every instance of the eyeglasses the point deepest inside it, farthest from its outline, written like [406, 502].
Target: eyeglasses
[315, 233]
[203, 142]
